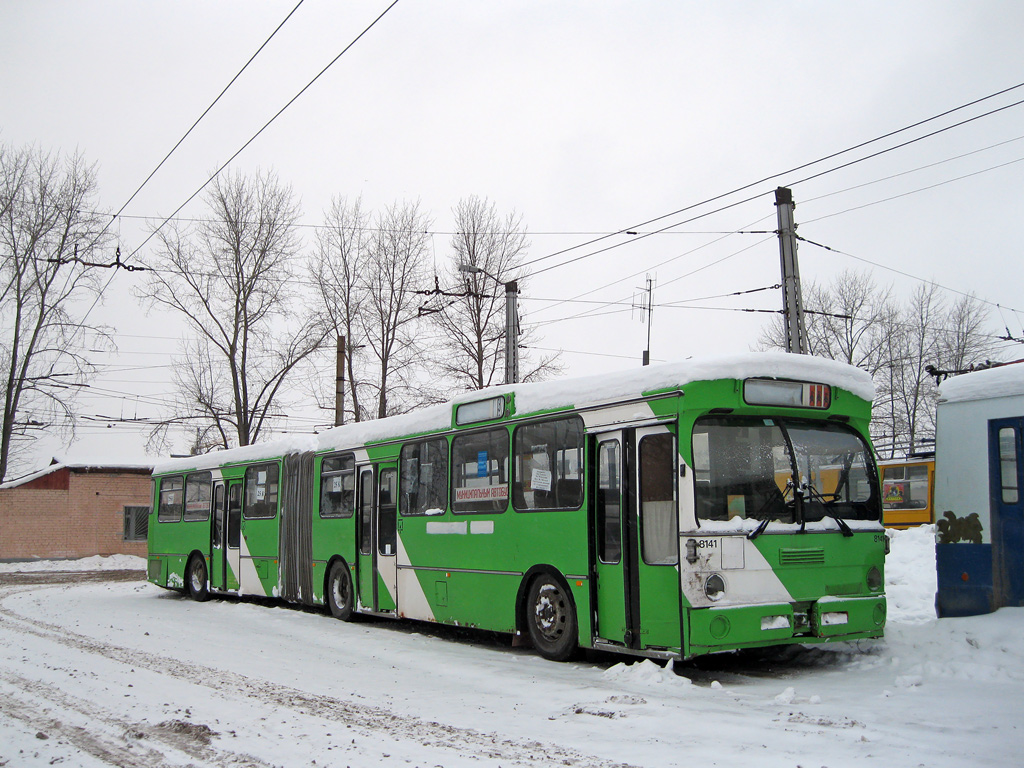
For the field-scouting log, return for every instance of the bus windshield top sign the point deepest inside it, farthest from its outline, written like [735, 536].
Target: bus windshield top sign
[794, 394]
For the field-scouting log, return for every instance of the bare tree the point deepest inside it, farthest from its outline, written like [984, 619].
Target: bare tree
[232, 280]
[471, 317]
[338, 268]
[48, 233]
[846, 320]
[962, 341]
[896, 345]
[472, 321]
[396, 267]
[913, 346]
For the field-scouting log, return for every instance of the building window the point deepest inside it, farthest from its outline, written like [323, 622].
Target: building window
[136, 523]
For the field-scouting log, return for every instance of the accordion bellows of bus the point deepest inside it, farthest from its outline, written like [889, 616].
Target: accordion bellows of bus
[666, 512]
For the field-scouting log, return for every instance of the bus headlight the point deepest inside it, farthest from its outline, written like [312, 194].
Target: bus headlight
[714, 587]
[874, 579]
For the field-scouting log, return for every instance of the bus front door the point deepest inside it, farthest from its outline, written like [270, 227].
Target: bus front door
[377, 571]
[636, 540]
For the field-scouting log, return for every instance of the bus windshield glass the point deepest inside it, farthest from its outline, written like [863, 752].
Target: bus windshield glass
[786, 470]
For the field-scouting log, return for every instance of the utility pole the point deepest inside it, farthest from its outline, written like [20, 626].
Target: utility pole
[511, 320]
[339, 384]
[792, 300]
[647, 306]
[511, 332]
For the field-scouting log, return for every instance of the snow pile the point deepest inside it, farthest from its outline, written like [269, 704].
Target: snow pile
[646, 672]
[95, 563]
[910, 580]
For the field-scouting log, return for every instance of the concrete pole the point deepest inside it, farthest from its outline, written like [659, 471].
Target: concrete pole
[792, 300]
[339, 384]
[511, 332]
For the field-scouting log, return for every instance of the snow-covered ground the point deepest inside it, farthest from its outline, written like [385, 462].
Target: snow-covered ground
[109, 672]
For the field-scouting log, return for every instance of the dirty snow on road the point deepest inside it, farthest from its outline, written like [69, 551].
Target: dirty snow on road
[100, 668]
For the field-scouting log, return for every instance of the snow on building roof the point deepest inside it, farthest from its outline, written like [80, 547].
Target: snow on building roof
[552, 395]
[1004, 381]
[78, 467]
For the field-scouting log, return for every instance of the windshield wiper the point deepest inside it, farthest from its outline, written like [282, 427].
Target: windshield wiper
[768, 518]
[817, 495]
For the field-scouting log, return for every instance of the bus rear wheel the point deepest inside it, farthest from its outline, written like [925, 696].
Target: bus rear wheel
[551, 619]
[340, 598]
[195, 579]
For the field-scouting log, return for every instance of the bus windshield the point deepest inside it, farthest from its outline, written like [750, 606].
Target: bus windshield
[787, 470]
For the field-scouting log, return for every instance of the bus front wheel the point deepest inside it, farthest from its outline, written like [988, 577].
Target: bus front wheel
[551, 619]
[340, 597]
[195, 578]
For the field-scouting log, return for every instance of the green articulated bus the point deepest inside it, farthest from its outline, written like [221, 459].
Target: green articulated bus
[665, 512]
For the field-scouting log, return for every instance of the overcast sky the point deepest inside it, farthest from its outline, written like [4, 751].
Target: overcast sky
[585, 117]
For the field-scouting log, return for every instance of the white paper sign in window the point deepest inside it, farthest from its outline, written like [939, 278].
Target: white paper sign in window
[540, 479]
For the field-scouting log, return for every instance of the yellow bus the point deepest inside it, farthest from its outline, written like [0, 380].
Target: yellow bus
[907, 489]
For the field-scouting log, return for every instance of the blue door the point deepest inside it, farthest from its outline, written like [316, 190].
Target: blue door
[1005, 485]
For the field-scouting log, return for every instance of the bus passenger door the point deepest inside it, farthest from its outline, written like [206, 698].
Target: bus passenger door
[387, 538]
[636, 539]
[655, 516]
[377, 571]
[217, 561]
[612, 562]
[233, 522]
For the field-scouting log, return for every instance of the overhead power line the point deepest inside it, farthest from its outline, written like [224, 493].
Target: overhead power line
[745, 187]
[205, 112]
[266, 125]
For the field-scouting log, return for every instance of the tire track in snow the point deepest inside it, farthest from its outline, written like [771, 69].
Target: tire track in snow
[365, 719]
[131, 750]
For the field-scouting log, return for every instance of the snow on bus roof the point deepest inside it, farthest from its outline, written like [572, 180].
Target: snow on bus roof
[551, 395]
[1003, 381]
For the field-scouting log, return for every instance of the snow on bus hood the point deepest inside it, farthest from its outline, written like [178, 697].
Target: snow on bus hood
[549, 395]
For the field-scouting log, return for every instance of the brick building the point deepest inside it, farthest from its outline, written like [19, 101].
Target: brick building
[76, 510]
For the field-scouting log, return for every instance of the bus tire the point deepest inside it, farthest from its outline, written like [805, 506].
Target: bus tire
[195, 579]
[340, 595]
[550, 618]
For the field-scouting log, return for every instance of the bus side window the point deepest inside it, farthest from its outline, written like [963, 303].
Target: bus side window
[171, 499]
[424, 479]
[198, 495]
[261, 483]
[338, 486]
[548, 462]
